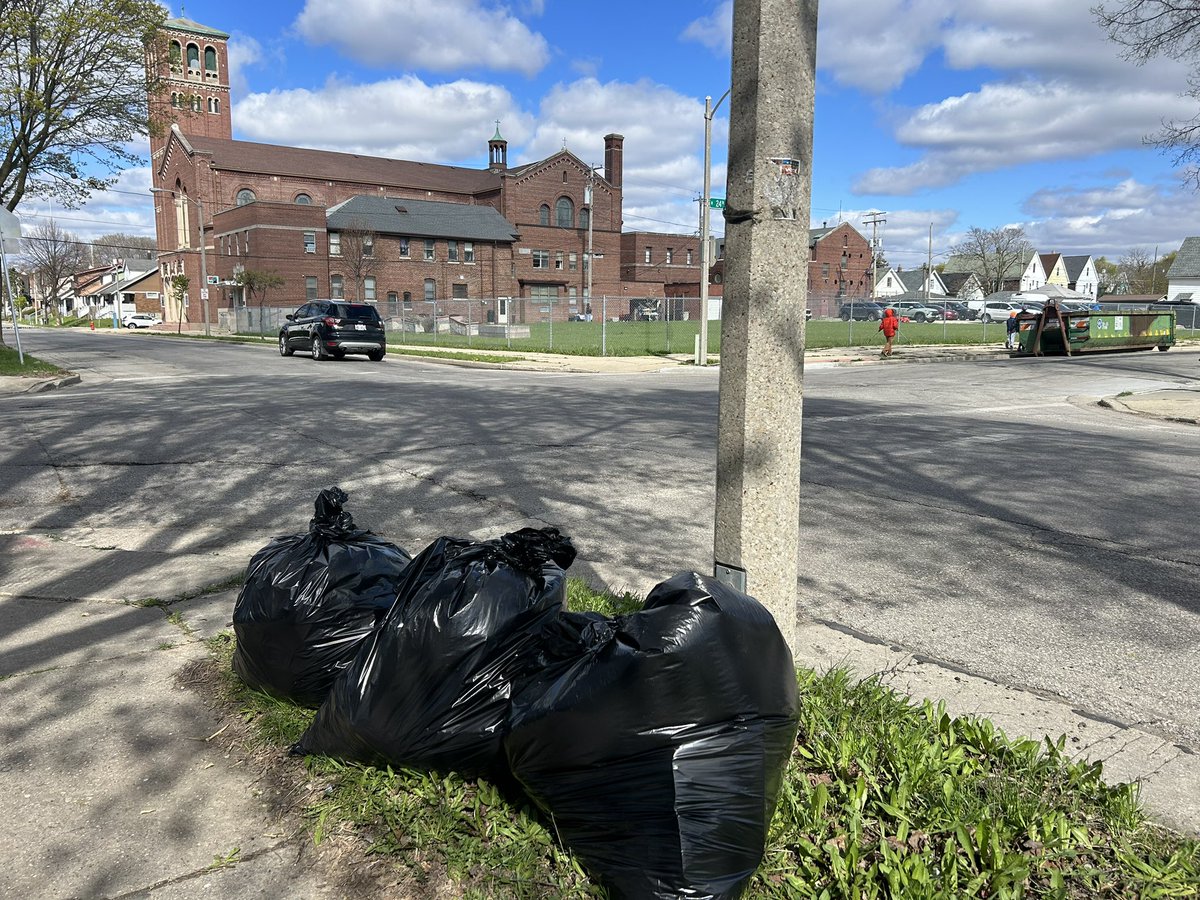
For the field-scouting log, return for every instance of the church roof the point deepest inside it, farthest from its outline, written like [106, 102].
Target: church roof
[328, 165]
[421, 218]
[182, 24]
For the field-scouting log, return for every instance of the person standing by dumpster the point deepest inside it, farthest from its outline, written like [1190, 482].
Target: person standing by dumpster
[889, 325]
[1013, 326]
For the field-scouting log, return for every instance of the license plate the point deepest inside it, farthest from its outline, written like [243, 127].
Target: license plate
[360, 327]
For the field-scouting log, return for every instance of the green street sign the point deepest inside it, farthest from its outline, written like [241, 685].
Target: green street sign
[716, 202]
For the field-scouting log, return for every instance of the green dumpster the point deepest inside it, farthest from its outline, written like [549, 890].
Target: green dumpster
[1090, 332]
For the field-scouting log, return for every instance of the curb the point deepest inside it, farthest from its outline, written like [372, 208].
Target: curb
[1118, 406]
[41, 385]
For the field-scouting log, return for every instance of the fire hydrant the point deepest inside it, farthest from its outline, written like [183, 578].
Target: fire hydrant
[93, 324]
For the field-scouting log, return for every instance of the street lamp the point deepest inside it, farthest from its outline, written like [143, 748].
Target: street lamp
[203, 257]
[710, 110]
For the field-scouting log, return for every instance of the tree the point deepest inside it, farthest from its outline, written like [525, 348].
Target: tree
[358, 252]
[176, 287]
[124, 246]
[73, 86]
[1169, 28]
[994, 254]
[1109, 278]
[52, 256]
[256, 284]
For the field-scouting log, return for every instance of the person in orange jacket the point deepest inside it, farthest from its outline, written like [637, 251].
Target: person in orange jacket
[889, 325]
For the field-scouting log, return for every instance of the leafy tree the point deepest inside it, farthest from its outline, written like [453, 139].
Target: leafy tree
[994, 254]
[124, 246]
[52, 256]
[1168, 28]
[1144, 273]
[176, 287]
[73, 87]
[1109, 278]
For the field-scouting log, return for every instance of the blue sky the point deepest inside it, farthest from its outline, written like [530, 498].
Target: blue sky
[941, 112]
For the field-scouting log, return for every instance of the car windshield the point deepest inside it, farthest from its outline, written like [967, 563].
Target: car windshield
[360, 311]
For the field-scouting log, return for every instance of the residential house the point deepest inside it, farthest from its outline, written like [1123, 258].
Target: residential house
[1055, 269]
[1023, 274]
[840, 267]
[1183, 278]
[962, 286]
[895, 282]
[1082, 276]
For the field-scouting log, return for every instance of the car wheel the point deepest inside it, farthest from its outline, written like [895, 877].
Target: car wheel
[873, 317]
[318, 352]
[920, 317]
[131, 325]
[284, 349]
[1164, 347]
[377, 355]
[986, 319]
[845, 317]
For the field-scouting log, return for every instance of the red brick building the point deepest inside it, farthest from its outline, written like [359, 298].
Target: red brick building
[289, 211]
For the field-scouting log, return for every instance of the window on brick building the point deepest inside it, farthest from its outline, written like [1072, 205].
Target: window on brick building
[310, 242]
[564, 213]
[337, 289]
[335, 243]
[391, 298]
[407, 299]
[452, 251]
[572, 261]
[458, 291]
[214, 105]
[176, 55]
[244, 196]
[558, 259]
[429, 251]
[210, 59]
[368, 245]
[824, 270]
[369, 288]
[310, 287]
[541, 259]
[303, 200]
[584, 215]
[430, 290]
[193, 57]
[648, 255]
[670, 255]
[543, 214]
[689, 257]
[404, 248]
[468, 252]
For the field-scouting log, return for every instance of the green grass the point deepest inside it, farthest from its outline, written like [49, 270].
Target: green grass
[10, 363]
[450, 354]
[882, 797]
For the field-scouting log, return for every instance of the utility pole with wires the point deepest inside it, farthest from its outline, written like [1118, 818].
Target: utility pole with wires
[874, 219]
[929, 266]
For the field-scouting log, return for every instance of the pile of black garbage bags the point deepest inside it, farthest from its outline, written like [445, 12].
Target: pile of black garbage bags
[655, 741]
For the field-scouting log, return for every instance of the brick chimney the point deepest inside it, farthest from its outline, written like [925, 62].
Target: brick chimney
[614, 153]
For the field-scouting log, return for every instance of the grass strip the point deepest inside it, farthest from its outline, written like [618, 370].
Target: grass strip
[469, 357]
[882, 797]
[10, 364]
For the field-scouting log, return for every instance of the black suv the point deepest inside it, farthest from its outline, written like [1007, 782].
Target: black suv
[333, 328]
[863, 310]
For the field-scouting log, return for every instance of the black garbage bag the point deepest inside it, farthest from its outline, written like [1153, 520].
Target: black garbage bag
[656, 741]
[433, 687]
[311, 600]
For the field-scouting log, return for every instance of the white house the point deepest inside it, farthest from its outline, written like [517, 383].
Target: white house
[1082, 276]
[1183, 278]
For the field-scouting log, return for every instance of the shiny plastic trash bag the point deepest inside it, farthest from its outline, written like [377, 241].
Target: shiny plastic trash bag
[656, 741]
[433, 687]
[311, 600]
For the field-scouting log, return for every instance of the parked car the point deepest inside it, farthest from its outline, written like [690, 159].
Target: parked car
[998, 311]
[140, 320]
[960, 310]
[916, 310]
[862, 310]
[333, 328]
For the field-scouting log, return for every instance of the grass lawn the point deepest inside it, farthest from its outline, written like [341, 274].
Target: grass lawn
[34, 368]
[882, 797]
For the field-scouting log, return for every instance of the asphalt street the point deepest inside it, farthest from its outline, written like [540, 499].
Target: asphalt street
[985, 514]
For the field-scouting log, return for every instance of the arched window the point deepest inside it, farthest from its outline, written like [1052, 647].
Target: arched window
[303, 200]
[564, 213]
[244, 196]
[174, 99]
[210, 59]
[214, 104]
[584, 215]
[176, 55]
[544, 215]
[193, 56]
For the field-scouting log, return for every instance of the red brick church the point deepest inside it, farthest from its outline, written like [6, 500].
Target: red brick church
[512, 240]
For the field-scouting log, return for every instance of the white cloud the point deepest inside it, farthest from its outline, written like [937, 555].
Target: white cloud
[876, 45]
[244, 52]
[448, 36]
[1009, 124]
[715, 30]
[400, 118]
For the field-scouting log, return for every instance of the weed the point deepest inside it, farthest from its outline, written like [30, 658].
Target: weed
[148, 603]
[228, 861]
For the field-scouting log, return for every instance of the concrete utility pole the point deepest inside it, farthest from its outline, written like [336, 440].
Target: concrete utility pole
[762, 332]
[874, 219]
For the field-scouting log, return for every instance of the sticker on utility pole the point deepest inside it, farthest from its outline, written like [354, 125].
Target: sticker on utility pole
[783, 191]
[203, 293]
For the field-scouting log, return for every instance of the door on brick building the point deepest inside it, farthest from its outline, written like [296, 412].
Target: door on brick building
[502, 311]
